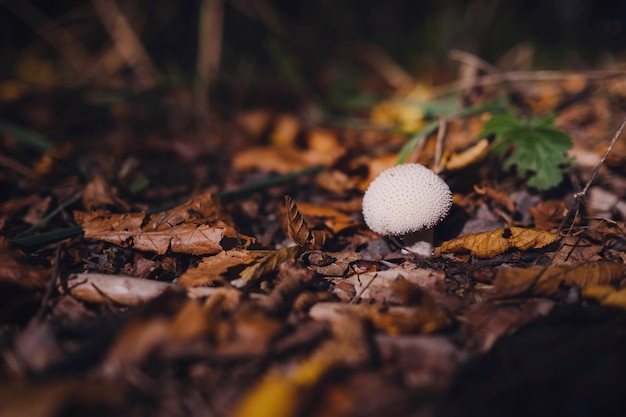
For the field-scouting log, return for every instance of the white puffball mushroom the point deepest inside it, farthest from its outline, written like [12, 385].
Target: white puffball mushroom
[407, 201]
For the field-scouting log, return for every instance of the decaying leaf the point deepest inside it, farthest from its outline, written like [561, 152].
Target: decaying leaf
[212, 268]
[268, 263]
[99, 194]
[606, 295]
[123, 290]
[498, 196]
[547, 280]
[332, 218]
[492, 243]
[298, 229]
[198, 227]
[548, 214]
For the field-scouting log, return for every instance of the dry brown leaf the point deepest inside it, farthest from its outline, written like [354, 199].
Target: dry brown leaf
[212, 268]
[547, 280]
[332, 218]
[456, 161]
[99, 194]
[548, 214]
[268, 263]
[492, 243]
[606, 295]
[197, 227]
[298, 229]
[37, 210]
[499, 197]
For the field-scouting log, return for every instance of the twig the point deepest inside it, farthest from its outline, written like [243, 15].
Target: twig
[58, 37]
[441, 134]
[52, 284]
[360, 293]
[209, 41]
[517, 76]
[472, 61]
[126, 41]
[580, 196]
[583, 193]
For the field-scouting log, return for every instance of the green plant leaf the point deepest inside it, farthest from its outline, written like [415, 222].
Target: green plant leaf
[536, 146]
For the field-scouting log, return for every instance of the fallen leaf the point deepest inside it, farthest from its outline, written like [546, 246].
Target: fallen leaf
[196, 227]
[298, 229]
[495, 242]
[548, 214]
[606, 295]
[99, 194]
[122, 290]
[499, 197]
[332, 218]
[268, 263]
[547, 280]
[475, 154]
[212, 269]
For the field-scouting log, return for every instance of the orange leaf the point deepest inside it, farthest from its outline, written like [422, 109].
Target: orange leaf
[492, 243]
[547, 280]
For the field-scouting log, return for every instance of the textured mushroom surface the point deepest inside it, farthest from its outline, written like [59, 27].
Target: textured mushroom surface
[405, 198]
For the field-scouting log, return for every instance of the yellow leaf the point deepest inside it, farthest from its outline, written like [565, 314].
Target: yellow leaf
[606, 295]
[495, 242]
[547, 280]
[298, 229]
[460, 160]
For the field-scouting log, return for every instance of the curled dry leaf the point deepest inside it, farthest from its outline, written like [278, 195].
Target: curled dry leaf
[547, 280]
[198, 227]
[298, 229]
[476, 153]
[495, 242]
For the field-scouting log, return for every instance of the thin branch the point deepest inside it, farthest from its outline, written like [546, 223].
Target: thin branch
[126, 40]
[517, 76]
[472, 61]
[58, 37]
[583, 193]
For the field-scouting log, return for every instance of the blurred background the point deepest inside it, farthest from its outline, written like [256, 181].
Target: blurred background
[304, 42]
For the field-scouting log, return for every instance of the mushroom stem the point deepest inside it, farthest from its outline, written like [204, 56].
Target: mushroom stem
[420, 242]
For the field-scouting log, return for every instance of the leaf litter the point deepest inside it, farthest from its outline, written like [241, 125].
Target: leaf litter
[260, 291]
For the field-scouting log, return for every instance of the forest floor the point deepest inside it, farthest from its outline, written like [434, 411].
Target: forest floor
[160, 260]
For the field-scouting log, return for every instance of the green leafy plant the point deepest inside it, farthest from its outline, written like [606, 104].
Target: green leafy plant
[535, 145]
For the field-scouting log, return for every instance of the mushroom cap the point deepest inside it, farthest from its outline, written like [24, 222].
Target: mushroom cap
[406, 198]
